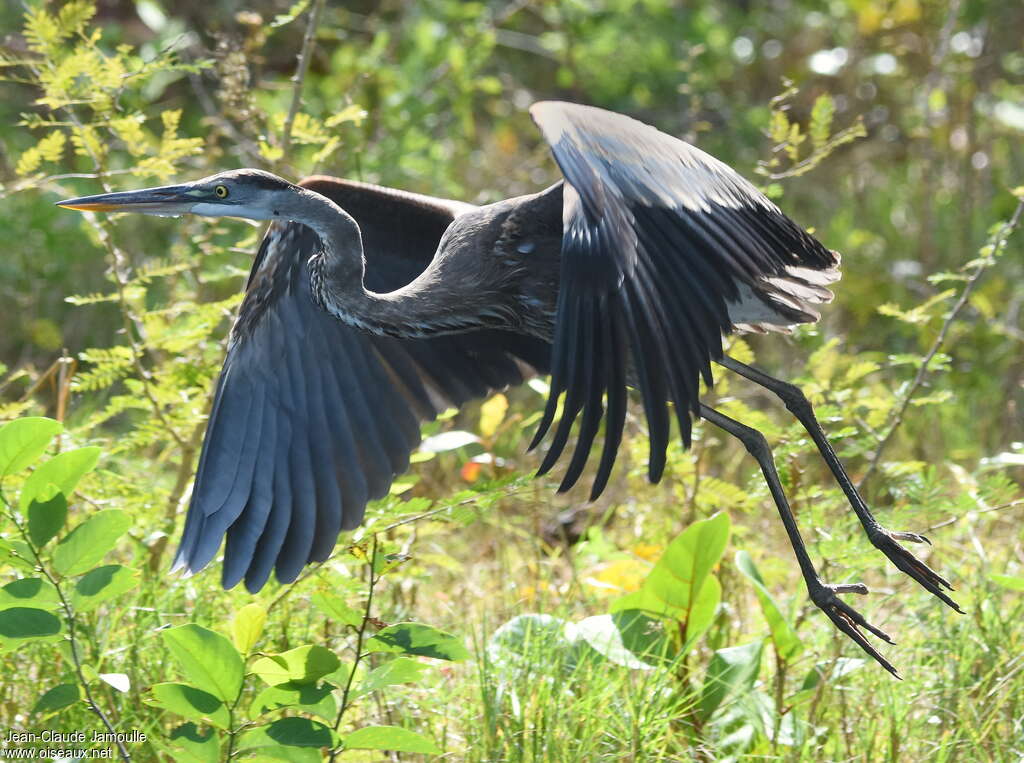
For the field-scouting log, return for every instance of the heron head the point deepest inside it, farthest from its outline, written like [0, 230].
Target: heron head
[248, 193]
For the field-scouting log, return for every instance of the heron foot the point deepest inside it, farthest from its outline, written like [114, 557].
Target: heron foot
[889, 544]
[847, 619]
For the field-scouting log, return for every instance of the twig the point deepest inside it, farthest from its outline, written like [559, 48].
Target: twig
[1002, 507]
[998, 244]
[305, 54]
[359, 644]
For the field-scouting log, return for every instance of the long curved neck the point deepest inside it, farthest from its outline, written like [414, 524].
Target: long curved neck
[424, 307]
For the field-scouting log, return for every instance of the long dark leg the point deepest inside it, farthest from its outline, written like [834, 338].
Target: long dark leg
[886, 541]
[824, 596]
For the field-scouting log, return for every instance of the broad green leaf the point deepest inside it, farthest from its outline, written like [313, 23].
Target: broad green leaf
[526, 639]
[27, 622]
[644, 636]
[63, 470]
[208, 660]
[604, 637]
[731, 670]
[87, 544]
[302, 665]
[247, 626]
[288, 732]
[1008, 581]
[192, 747]
[400, 670]
[415, 638]
[24, 440]
[673, 587]
[191, 703]
[702, 611]
[317, 700]
[46, 518]
[390, 738]
[35, 591]
[787, 643]
[337, 608]
[57, 698]
[102, 583]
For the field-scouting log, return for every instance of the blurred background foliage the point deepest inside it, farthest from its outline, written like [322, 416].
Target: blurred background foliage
[431, 96]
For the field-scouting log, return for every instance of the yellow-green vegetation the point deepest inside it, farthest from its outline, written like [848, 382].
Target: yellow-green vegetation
[460, 621]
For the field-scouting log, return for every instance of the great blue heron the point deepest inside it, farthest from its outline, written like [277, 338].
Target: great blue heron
[369, 309]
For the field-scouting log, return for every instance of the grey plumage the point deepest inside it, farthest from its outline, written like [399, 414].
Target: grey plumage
[369, 310]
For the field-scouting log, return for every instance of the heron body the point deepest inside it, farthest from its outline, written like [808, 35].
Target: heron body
[369, 310]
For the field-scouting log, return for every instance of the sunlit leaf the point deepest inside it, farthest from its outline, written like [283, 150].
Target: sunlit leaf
[207, 659]
[390, 738]
[302, 665]
[418, 639]
[24, 440]
[88, 543]
[191, 703]
[247, 626]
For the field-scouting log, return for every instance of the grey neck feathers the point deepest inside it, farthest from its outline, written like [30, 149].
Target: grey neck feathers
[425, 307]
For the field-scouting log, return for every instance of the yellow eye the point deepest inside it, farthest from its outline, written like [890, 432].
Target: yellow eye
[221, 191]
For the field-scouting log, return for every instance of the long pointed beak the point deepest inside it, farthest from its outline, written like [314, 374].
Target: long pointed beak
[166, 200]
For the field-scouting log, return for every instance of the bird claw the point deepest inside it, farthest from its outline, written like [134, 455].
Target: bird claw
[847, 619]
[888, 543]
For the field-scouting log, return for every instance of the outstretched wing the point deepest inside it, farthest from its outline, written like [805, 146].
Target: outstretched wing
[312, 419]
[664, 249]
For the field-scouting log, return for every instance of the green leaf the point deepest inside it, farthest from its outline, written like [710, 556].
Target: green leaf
[288, 732]
[400, 670]
[415, 638]
[317, 700]
[207, 659]
[247, 627]
[193, 747]
[604, 637]
[1008, 581]
[732, 670]
[302, 665]
[24, 440]
[46, 518]
[35, 591]
[787, 643]
[88, 543]
[191, 703]
[57, 698]
[27, 622]
[390, 738]
[337, 608]
[644, 636]
[63, 470]
[102, 583]
[680, 585]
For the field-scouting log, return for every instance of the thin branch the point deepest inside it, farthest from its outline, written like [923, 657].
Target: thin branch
[998, 244]
[308, 43]
[1002, 507]
[359, 643]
